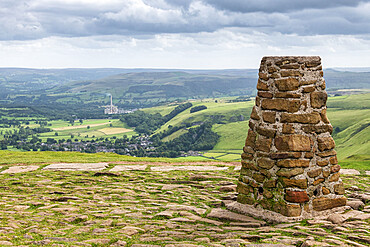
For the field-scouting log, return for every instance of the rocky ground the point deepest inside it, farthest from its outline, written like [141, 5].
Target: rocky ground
[157, 205]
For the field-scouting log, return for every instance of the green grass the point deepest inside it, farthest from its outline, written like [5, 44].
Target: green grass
[31, 157]
[213, 155]
[175, 135]
[85, 133]
[351, 121]
[352, 139]
[163, 110]
[227, 110]
[354, 101]
[233, 135]
[358, 162]
[229, 157]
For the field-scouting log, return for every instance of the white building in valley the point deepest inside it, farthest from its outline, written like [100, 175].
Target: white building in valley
[112, 109]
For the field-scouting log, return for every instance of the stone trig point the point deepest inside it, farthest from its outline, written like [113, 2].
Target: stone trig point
[289, 164]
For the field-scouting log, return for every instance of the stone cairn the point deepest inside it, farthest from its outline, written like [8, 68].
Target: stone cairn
[289, 164]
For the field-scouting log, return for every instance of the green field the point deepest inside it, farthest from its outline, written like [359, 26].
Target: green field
[47, 157]
[220, 109]
[89, 129]
[233, 135]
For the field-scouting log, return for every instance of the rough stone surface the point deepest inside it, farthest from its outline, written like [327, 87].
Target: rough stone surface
[293, 163]
[314, 173]
[287, 84]
[77, 166]
[296, 196]
[223, 214]
[356, 205]
[20, 169]
[280, 105]
[324, 203]
[350, 172]
[318, 99]
[265, 163]
[289, 164]
[188, 168]
[325, 143]
[308, 118]
[293, 143]
[298, 183]
[285, 172]
[119, 168]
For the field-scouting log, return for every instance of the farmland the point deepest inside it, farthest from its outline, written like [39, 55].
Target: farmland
[87, 130]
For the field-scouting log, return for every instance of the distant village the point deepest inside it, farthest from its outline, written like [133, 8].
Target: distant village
[114, 145]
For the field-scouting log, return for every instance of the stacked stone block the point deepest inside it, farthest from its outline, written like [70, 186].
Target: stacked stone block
[289, 164]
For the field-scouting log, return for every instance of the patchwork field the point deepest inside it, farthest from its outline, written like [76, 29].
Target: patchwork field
[90, 128]
[114, 131]
[79, 126]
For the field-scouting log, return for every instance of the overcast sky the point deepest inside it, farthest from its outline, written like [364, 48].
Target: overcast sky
[198, 34]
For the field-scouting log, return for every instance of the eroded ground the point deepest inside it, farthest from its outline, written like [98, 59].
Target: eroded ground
[154, 206]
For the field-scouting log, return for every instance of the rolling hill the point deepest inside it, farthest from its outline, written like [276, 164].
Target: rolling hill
[171, 85]
[134, 88]
[164, 85]
[349, 115]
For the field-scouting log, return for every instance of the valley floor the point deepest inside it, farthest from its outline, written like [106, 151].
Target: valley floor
[155, 204]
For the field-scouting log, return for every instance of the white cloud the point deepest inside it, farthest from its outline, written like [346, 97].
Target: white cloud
[220, 49]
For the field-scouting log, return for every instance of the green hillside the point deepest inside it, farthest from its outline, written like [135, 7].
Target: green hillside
[222, 110]
[349, 115]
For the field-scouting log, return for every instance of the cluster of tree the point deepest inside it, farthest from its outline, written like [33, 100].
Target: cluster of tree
[197, 138]
[198, 108]
[171, 129]
[146, 123]
[7, 123]
[178, 109]
[21, 134]
[51, 107]
[240, 99]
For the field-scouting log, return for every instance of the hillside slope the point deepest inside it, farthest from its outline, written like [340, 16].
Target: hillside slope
[349, 115]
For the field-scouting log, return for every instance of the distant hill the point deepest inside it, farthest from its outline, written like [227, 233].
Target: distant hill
[147, 87]
[346, 79]
[165, 84]
[203, 83]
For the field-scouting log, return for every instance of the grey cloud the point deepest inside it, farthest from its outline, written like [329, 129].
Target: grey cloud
[39, 18]
[282, 6]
